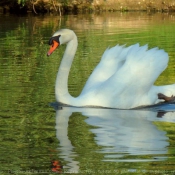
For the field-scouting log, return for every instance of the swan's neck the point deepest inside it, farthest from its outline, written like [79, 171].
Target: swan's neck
[61, 87]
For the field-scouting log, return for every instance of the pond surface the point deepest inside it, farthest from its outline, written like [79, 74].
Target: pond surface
[37, 137]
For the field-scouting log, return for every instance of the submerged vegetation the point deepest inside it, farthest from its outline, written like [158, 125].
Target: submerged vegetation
[75, 6]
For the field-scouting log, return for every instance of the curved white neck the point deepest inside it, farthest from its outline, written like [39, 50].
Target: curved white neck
[61, 87]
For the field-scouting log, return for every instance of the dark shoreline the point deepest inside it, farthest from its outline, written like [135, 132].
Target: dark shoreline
[44, 6]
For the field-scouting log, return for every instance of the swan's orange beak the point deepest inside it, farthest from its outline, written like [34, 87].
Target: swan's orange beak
[52, 47]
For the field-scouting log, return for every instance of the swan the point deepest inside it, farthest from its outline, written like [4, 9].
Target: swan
[123, 78]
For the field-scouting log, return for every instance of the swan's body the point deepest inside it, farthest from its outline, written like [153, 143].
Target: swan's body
[123, 79]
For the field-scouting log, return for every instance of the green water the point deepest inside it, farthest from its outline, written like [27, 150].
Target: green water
[32, 134]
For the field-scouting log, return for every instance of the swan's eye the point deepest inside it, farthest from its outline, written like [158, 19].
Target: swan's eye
[56, 38]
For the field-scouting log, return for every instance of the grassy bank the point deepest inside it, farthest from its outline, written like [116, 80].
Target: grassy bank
[79, 6]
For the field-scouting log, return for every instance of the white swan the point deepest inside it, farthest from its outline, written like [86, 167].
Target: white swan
[123, 79]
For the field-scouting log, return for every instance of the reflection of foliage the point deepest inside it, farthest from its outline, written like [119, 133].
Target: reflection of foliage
[27, 76]
[25, 132]
[169, 128]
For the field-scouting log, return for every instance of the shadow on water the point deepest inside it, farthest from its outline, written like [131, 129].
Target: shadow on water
[123, 135]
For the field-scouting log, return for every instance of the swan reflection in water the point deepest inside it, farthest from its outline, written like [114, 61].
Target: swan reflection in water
[119, 132]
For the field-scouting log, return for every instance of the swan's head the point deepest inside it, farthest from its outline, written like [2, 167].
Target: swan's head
[62, 36]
